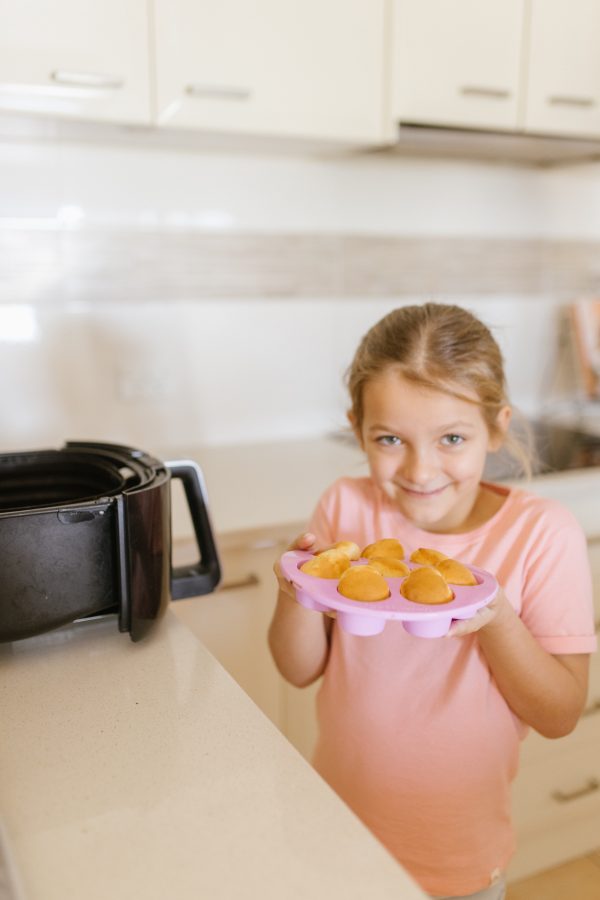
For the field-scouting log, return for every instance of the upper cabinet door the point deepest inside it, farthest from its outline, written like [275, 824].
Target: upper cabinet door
[563, 95]
[303, 68]
[78, 58]
[457, 63]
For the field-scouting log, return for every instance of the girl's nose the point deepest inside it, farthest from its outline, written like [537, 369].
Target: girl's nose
[418, 468]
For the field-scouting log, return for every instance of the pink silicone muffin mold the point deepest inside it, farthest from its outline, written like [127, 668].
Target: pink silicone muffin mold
[368, 618]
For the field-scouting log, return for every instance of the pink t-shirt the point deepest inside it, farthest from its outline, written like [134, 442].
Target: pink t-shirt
[414, 734]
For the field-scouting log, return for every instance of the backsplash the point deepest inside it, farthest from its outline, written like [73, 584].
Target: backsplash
[100, 267]
[168, 299]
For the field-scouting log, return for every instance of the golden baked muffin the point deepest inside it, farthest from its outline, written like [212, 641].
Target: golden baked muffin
[426, 585]
[363, 583]
[455, 572]
[427, 557]
[388, 548]
[391, 568]
[328, 564]
[351, 549]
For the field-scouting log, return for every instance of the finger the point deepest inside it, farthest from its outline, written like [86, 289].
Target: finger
[469, 626]
[303, 542]
[458, 630]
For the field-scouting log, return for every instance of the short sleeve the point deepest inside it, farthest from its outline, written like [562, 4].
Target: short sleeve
[557, 592]
[322, 521]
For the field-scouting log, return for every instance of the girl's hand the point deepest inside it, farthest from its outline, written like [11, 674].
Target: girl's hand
[298, 637]
[304, 541]
[492, 613]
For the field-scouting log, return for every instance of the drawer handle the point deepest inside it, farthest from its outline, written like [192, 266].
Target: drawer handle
[218, 92]
[472, 90]
[597, 626]
[581, 102]
[592, 708]
[249, 581]
[86, 79]
[590, 787]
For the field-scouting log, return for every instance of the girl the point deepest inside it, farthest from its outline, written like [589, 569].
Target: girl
[420, 737]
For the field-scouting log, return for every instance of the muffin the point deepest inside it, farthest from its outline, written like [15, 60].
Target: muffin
[391, 568]
[351, 549]
[426, 585]
[455, 572]
[328, 564]
[363, 583]
[427, 557]
[386, 548]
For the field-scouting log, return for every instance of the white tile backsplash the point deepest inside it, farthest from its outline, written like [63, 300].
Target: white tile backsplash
[61, 184]
[220, 372]
[189, 371]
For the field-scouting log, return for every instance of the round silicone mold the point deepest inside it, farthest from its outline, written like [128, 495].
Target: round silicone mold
[357, 617]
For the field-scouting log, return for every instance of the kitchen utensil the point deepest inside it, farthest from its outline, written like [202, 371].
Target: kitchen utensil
[370, 618]
[86, 530]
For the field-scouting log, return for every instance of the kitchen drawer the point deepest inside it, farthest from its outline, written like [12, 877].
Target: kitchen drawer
[560, 789]
[233, 622]
[556, 795]
[553, 845]
[536, 747]
[594, 557]
[556, 806]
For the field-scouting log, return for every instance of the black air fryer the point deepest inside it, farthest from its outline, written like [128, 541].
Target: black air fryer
[86, 530]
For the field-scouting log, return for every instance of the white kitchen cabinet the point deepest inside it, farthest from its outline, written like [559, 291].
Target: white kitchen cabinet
[457, 64]
[563, 78]
[272, 67]
[556, 795]
[233, 621]
[75, 58]
[299, 722]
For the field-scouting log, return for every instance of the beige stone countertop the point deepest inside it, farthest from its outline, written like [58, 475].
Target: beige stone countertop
[143, 770]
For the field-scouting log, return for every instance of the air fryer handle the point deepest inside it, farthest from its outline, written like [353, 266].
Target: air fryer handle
[203, 576]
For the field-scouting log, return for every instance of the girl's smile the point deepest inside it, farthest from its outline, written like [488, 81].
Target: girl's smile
[423, 494]
[427, 450]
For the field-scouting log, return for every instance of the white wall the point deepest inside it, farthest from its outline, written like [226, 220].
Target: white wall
[232, 370]
[51, 185]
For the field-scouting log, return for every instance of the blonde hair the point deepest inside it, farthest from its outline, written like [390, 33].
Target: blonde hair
[438, 346]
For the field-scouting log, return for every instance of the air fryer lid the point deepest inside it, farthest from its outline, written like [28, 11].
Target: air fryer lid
[79, 473]
[52, 478]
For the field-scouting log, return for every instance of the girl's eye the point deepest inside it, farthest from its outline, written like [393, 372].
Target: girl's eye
[388, 440]
[452, 440]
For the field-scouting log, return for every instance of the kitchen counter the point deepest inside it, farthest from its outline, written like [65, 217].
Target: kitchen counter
[266, 485]
[276, 485]
[143, 770]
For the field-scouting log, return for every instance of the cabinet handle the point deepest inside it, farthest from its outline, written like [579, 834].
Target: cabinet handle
[249, 581]
[218, 92]
[87, 79]
[590, 787]
[592, 708]
[597, 626]
[472, 90]
[581, 102]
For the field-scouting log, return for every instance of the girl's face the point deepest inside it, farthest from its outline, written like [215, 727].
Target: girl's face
[426, 450]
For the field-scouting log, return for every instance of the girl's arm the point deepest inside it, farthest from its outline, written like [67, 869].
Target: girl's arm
[547, 692]
[298, 637]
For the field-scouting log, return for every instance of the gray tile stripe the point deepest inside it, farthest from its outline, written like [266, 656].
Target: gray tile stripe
[60, 266]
